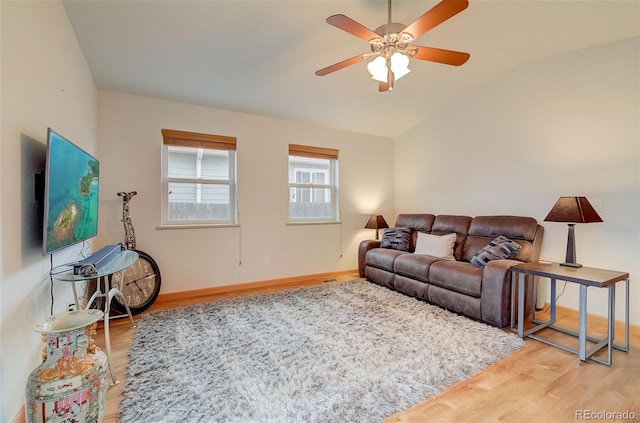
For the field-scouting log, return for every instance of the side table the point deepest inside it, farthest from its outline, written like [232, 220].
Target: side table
[585, 277]
[121, 261]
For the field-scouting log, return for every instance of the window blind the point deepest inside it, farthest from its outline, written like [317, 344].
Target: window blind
[313, 152]
[197, 140]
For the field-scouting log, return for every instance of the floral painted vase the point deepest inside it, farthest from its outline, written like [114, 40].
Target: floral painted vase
[71, 383]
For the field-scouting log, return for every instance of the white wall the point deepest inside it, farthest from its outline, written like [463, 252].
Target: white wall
[563, 126]
[45, 83]
[130, 147]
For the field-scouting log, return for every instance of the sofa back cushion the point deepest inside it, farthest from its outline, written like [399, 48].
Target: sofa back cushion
[483, 229]
[445, 224]
[415, 222]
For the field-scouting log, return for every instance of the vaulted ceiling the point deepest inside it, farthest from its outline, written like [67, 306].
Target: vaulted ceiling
[260, 56]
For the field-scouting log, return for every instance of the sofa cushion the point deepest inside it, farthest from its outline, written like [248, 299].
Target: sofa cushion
[382, 258]
[454, 301]
[513, 227]
[379, 276]
[436, 246]
[411, 287]
[520, 229]
[415, 266]
[457, 276]
[396, 238]
[499, 248]
[446, 224]
[415, 222]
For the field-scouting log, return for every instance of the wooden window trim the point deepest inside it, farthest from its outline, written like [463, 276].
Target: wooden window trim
[313, 152]
[198, 140]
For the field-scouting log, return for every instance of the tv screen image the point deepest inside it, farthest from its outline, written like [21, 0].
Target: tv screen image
[71, 194]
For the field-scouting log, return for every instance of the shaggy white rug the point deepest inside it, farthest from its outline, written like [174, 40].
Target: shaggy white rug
[339, 352]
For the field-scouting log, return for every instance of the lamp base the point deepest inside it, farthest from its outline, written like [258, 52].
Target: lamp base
[571, 249]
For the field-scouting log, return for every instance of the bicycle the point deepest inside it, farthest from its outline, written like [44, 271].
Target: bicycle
[140, 282]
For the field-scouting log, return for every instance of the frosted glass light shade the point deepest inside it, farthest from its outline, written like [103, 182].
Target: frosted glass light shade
[399, 65]
[378, 69]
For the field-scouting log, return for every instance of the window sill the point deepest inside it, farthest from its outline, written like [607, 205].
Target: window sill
[333, 222]
[198, 226]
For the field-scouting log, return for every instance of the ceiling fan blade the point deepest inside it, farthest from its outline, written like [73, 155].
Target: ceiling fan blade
[435, 16]
[340, 65]
[347, 24]
[448, 57]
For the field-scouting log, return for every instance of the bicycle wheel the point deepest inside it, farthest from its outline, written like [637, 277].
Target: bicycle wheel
[139, 284]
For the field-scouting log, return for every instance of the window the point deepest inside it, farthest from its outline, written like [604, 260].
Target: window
[313, 184]
[199, 178]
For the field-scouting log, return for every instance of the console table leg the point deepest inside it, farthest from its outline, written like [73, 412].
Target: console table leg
[107, 337]
[611, 323]
[552, 285]
[75, 295]
[582, 331]
[626, 316]
[513, 301]
[521, 305]
[117, 292]
[97, 294]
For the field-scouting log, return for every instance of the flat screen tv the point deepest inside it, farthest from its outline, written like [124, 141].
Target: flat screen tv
[71, 194]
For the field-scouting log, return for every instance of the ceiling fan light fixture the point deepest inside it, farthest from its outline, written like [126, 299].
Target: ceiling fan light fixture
[378, 69]
[391, 44]
[399, 66]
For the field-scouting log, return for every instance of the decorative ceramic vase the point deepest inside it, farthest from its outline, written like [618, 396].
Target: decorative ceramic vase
[71, 383]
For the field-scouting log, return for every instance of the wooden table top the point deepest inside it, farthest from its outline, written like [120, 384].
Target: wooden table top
[583, 275]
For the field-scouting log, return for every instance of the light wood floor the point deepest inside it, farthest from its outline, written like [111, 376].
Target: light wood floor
[537, 383]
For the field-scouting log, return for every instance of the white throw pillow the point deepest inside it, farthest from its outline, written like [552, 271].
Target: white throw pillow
[436, 246]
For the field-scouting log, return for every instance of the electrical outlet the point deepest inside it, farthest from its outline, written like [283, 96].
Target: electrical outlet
[266, 261]
[597, 205]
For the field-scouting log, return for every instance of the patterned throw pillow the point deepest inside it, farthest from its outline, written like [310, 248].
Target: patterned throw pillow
[396, 238]
[500, 248]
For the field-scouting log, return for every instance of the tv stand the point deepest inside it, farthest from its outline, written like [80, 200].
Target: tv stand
[117, 262]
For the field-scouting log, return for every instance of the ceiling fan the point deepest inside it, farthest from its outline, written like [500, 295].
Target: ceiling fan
[391, 45]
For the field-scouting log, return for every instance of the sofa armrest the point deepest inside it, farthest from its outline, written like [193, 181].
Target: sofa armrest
[365, 246]
[495, 298]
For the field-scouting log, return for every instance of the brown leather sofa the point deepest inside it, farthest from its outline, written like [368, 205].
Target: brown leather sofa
[482, 293]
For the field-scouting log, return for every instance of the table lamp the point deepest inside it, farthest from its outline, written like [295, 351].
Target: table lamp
[376, 221]
[572, 210]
